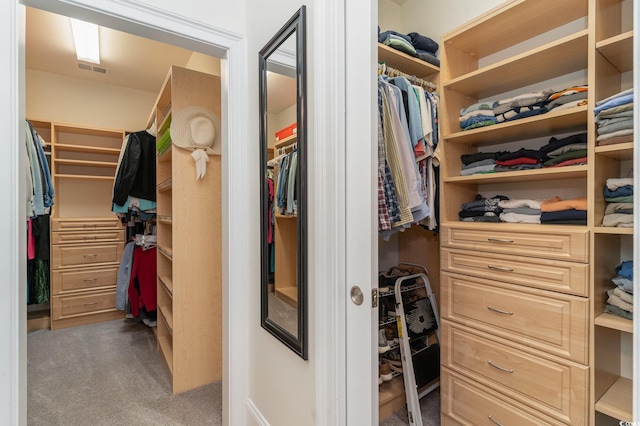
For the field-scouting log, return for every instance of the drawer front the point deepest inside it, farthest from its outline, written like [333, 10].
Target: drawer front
[85, 304]
[85, 224]
[550, 385]
[550, 321]
[559, 244]
[465, 403]
[555, 275]
[63, 281]
[83, 255]
[87, 237]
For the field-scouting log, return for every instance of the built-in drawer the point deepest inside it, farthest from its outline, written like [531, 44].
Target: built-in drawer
[555, 275]
[550, 321]
[551, 385]
[465, 403]
[94, 224]
[82, 304]
[69, 281]
[549, 243]
[102, 236]
[82, 255]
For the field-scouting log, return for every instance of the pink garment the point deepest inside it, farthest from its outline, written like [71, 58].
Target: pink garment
[31, 241]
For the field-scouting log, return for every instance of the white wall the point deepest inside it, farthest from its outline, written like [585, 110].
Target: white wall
[281, 384]
[431, 18]
[389, 16]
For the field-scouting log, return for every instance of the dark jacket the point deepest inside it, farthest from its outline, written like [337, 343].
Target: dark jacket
[137, 172]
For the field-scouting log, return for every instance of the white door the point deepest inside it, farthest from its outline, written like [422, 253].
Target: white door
[361, 252]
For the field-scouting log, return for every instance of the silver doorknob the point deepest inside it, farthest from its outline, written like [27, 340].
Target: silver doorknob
[356, 295]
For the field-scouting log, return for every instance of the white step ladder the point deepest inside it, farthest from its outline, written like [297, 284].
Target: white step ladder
[419, 337]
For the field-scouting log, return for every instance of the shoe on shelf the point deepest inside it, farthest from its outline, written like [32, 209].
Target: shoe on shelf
[383, 346]
[390, 334]
[395, 368]
[385, 372]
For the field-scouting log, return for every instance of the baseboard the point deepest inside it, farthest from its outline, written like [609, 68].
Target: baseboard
[255, 414]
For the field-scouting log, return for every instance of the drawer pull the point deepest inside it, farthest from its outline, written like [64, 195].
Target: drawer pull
[92, 225]
[500, 268]
[91, 238]
[499, 240]
[494, 422]
[506, 370]
[90, 280]
[90, 256]
[500, 311]
[90, 304]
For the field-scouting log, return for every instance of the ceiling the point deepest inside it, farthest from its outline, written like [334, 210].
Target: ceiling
[130, 61]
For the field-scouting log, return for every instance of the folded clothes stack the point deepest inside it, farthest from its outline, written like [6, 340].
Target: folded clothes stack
[618, 195]
[620, 298]
[614, 118]
[568, 151]
[520, 210]
[482, 209]
[556, 211]
[413, 44]
[524, 105]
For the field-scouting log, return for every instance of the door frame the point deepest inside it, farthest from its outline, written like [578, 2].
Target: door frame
[134, 18]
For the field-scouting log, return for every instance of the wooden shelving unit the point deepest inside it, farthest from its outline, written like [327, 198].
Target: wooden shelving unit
[189, 242]
[613, 57]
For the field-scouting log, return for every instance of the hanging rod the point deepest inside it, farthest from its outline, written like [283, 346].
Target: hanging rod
[392, 72]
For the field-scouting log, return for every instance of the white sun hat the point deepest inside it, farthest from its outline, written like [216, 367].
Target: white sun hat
[197, 129]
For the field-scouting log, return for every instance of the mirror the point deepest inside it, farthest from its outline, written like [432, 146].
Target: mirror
[283, 185]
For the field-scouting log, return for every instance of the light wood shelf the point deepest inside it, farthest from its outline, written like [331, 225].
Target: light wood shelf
[165, 185]
[622, 151]
[165, 344]
[166, 252]
[614, 322]
[614, 230]
[82, 177]
[165, 219]
[618, 50]
[617, 402]
[86, 149]
[165, 156]
[107, 164]
[167, 317]
[406, 63]
[568, 54]
[544, 174]
[167, 284]
[571, 120]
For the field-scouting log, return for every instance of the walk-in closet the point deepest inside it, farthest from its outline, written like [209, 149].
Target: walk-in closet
[125, 222]
[532, 255]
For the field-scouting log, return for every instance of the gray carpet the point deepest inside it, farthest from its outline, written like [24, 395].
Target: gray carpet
[109, 374]
[429, 409]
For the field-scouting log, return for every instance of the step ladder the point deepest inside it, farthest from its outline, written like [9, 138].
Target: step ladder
[419, 336]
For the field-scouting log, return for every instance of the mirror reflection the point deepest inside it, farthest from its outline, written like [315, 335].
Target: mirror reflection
[281, 175]
[283, 185]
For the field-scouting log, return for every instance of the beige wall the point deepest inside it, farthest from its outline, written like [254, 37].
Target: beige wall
[52, 97]
[57, 98]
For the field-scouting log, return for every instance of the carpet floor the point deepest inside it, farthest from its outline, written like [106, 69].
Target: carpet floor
[112, 374]
[109, 374]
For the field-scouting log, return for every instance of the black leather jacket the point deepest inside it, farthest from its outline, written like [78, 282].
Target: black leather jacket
[137, 172]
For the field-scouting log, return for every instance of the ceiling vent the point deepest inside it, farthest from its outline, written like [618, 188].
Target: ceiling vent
[94, 68]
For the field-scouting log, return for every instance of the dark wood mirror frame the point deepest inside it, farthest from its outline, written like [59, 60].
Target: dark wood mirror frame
[295, 27]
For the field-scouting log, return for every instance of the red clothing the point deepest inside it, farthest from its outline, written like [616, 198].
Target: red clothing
[143, 271]
[517, 161]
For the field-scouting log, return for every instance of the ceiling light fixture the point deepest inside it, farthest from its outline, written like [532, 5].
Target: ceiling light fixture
[85, 37]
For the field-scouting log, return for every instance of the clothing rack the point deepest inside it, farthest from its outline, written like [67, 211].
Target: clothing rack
[392, 72]
[280, 153]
